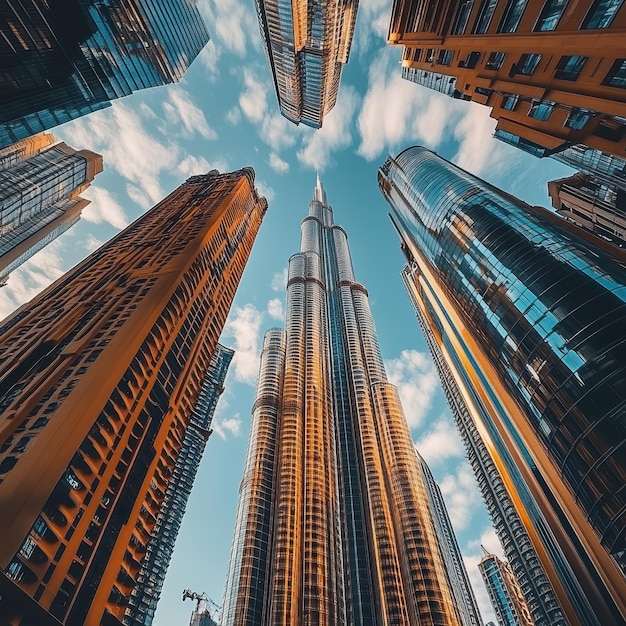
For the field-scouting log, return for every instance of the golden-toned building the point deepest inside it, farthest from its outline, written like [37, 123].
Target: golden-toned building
[552, 71]
[334, 525]
[99, 375]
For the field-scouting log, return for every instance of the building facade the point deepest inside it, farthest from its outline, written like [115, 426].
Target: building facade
[40, 185]
[599, 208]
[504, 592]
[306, 44]
[453, 560]
[527, 310]
[99, 375]
[553, 72]
[61, 60]
[145, 596]
[333, 524]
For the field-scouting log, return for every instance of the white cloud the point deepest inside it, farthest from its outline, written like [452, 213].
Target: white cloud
[92, 243]
[193, 165]
[233, 23]
[373, 22]
[243, 325]
[279, 280]
[265, 190]
[210, 57]
[441, 443]
[253, 100]
[413, 373]
[225, 426]
[119, 135]
[103, 208]
[278, 132]
[277, 164]
[182, 113]
[334, 135]
[461, 496]
[275, 309]
[234, 116]
[34, 275]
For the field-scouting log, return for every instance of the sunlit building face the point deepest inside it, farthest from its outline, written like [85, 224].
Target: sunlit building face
[333, 524]
[529, 314]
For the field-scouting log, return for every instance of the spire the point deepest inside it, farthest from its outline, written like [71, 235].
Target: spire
[319, 193]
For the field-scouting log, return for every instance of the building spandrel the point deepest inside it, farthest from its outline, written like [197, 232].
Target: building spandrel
[333, 524]
[62, 60]
[99, 377]
[528, 311]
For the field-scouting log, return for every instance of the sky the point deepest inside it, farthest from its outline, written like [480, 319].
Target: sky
[223, 115]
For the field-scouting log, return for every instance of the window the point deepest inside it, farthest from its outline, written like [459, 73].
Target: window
[417, 53]
[617, 74]
[541, 109]
[550, 15]
[578, 119]
[512, 16]
[570, 67]
[495, 61]
[487, 7]
[462, 17]
[445, 57]
[509, 102]
[526, 65]
[470, 61]
[601, 14]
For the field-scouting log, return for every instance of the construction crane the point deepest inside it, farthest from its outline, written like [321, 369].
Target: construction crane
[201, 615]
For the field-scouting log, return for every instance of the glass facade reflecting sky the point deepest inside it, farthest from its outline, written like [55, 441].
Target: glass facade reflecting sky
[333, 524]
[65, 59]
[531, 315]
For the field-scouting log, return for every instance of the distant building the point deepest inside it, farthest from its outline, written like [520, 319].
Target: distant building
[527, 310]
[504, 592]
[40, 185]
[333, 524]
[99, 378]
[553, 72]
[143, 602]
[456, 572]
[598, 208]
[307, 44]
[61, 60]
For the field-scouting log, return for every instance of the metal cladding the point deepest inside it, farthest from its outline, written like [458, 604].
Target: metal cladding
[99, 377]
[60, 60]
[527, 311]
[306, 44]
[333, 524]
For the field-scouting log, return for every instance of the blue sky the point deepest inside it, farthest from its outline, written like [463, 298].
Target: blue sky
[224, 115]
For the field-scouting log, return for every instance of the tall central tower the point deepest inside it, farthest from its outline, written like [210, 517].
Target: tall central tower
[333, 525]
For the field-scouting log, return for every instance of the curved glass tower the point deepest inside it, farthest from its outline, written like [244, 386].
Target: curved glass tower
[307, 44]
[528, 312]
[333, 524]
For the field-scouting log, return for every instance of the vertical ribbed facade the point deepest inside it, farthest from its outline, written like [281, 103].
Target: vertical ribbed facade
[60, 60]
[528, 313]
[306, 44]
[333, 525]
[455, 568]
[504, 592]
[99, 377]
[145, 596]
[40, 185]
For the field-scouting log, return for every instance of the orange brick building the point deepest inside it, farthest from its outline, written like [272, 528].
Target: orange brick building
[553, 71]
[98, 378]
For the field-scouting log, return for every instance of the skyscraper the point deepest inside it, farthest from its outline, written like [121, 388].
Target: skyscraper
[40, 185]
[333, 524]
[453, 560]
[527, 312]
[306, 44]
[145, 596]
[99, 377]
[553, 72]
[61, 60]
[591, 204]
[504, 592]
